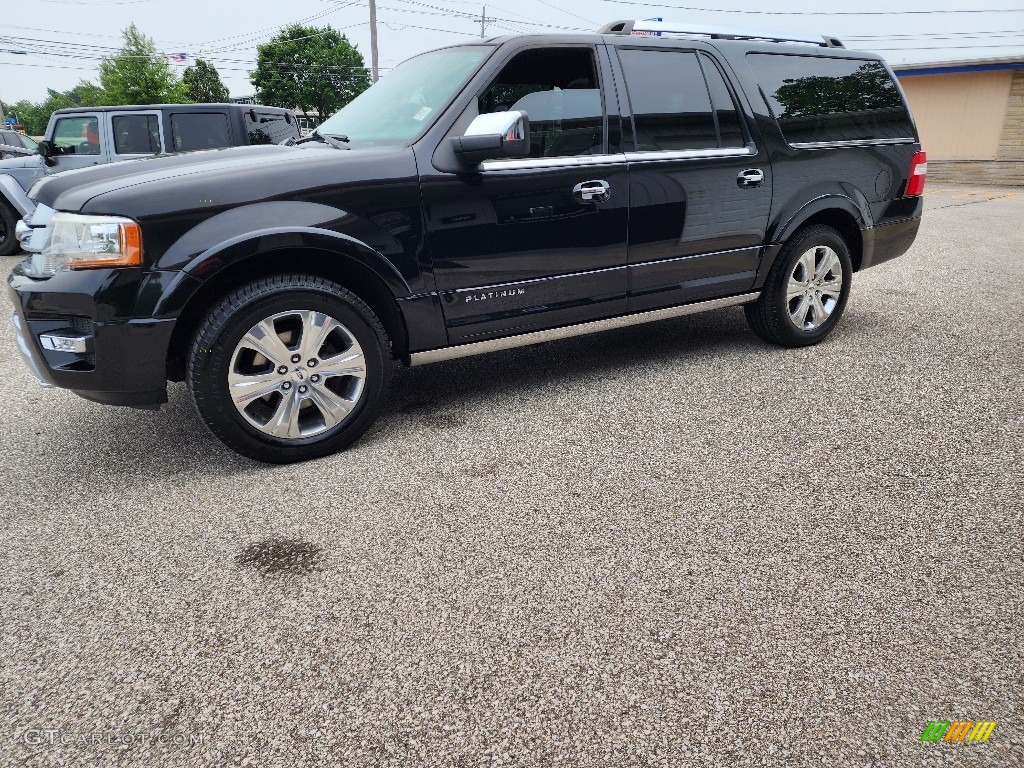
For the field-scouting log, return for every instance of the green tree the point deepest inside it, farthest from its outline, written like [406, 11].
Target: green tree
[138, 74]
[35, 116]
[203, 85]
[309, 69]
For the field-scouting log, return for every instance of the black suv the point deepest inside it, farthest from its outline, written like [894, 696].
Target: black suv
[479, 197]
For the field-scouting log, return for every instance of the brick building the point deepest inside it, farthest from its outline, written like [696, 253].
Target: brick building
[971, 118]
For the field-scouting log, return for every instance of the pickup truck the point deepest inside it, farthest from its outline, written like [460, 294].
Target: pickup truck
[86, 136]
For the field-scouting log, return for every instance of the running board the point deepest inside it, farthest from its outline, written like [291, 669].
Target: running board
[580, 329]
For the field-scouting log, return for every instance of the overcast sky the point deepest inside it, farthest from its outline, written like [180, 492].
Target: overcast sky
[64, 39]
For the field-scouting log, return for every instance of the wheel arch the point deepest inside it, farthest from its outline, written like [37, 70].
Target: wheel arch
[836, 211]
[343, 268]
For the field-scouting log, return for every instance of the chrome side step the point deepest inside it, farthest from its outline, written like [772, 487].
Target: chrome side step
[580, 329]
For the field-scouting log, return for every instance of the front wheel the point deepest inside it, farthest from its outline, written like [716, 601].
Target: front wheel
[289, 368]
[806, 290]
[8, 220]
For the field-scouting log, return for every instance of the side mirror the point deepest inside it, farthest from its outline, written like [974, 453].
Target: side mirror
[493, 136]
[46, 149]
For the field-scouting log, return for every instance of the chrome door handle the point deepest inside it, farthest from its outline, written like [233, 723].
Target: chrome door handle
[592, 192]
[752, 177]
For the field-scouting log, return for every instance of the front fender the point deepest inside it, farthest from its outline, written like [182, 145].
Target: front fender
[14, 194]
[178, 287]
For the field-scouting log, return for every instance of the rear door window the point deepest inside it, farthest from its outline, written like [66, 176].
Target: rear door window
[136, 134]
[819, 99]
[669, 99]
[727, 117]
[199, 130]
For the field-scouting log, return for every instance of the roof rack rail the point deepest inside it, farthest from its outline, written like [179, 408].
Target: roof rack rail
[657, 28]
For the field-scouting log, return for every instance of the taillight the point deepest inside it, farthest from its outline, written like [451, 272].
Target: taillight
[918, 171]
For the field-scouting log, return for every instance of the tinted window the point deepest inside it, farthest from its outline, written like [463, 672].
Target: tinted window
[730, 131]
[136, 134]
[28, 141]
[670, 101]
[269, 127]
[77, 136]
[7, 137]
[199, 131]
[560, 93]
[819, 99]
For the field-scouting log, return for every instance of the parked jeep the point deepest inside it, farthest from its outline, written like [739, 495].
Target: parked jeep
[480, 197]
[82, 137]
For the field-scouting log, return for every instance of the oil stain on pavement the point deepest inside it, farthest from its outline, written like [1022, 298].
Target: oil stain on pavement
[279, 555]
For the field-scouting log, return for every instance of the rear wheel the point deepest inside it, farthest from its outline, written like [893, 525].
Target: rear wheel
[289, 368]
[806, 290]
[8, 220]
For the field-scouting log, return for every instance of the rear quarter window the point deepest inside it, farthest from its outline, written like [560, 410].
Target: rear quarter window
[819, 99]
[199, 130]
[268, 127]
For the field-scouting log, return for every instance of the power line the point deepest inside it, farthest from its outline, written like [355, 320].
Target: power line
[817, 13]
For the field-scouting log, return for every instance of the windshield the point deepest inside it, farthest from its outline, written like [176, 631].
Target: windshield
[399, 107]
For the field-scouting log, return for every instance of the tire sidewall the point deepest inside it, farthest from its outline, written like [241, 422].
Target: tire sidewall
[824, 236]
[214, 350]
[8, 221]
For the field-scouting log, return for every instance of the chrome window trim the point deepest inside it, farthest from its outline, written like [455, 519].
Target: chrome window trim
[568, 331]
[690, 154]
[573, 161]
[850, 143]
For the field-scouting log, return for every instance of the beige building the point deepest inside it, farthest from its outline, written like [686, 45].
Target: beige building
[970, 115]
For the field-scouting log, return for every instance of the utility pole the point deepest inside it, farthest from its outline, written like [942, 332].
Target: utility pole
[483, 22]
[373, 39]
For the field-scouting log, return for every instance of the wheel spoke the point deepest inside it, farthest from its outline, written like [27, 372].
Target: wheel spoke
[348, 363]
[263, 338]
[316, 327]
[807, 261]
[795, 288]
[820, 314]
[333, 407]
[285, 421]
[828, 262]
[799, 314]
[244, 389]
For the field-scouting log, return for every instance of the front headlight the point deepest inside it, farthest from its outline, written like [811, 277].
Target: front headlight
[76, 241]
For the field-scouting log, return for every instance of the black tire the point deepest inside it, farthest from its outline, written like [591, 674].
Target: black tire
[771, 318]
[218, 345]
[8, 220]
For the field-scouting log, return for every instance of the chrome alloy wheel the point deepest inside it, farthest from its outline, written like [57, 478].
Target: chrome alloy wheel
[815, 287]
[296, 374]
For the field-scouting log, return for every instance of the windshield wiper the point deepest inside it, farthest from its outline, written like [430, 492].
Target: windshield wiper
[334, 139]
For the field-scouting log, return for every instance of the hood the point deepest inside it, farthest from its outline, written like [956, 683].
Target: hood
[26, 161]
[162, 184]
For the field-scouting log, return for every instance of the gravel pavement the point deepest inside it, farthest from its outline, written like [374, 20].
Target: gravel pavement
[670, 545]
